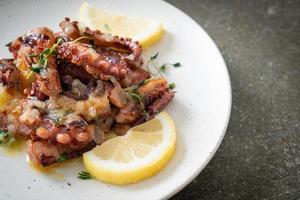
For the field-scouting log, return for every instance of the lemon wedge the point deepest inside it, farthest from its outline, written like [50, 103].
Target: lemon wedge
[139, 154]
[147, 32]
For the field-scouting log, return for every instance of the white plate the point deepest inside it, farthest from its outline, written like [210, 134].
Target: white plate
[201, 108]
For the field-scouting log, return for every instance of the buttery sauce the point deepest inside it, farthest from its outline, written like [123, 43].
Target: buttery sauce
[49, 170]
[52, 170]
[19, 146]
[16, 147]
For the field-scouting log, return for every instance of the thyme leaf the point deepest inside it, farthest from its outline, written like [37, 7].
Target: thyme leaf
[106, 26]
[172, 86]
[84, 175]
[152, 64]
[162, 68]
[144, 82]
[178, 64]
[43, 57]
[138, 98]
[36, 67]
[8, 44]
[32, 55]
[6, 137]
[64, 156]
[154, 56]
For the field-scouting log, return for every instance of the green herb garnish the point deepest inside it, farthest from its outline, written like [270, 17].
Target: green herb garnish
[138, 98]
[8, 44]
[178, 64]
[36, 68]
[154, 56]
[144, 82]
[163, 67]
[135, 87]
[152, 63]
[64, 156]
[43, 58]
[57, 116]
[32, 55]
[84, 175]
[6, 137]
[106, 26]
[172, 86]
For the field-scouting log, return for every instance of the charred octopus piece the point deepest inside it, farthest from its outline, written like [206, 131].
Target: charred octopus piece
[51, 140]
[9, 74]
[110, 55]
[100, 39]
[83, 55]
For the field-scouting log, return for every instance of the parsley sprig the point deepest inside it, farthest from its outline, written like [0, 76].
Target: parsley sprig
[84, 175]
[43, 57]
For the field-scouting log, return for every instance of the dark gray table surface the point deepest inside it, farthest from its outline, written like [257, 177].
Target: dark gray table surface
[259, 157]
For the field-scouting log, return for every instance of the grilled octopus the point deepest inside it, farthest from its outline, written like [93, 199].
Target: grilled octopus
[9, 74]
[113, 55]
[33, 44]
[81, 93]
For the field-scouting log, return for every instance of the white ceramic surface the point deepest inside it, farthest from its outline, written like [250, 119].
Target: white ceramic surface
[201, 108]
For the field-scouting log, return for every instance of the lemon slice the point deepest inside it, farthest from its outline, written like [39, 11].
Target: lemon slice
[139, 154]
[147, 32]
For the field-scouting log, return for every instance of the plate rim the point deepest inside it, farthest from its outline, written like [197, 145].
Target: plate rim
[179, 187]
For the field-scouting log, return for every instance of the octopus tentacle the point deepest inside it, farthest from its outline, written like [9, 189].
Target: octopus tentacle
[15, 46]
[43, 153]
[153, 89]
[113, 55]
[50, 140]
[49, 84]
[38, 40]
[132, 49]
[155, 94]
[101, 39]
[70, 28]
[82, 55]
[9, 74]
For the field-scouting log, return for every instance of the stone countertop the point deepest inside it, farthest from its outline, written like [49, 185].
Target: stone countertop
[259, 157]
